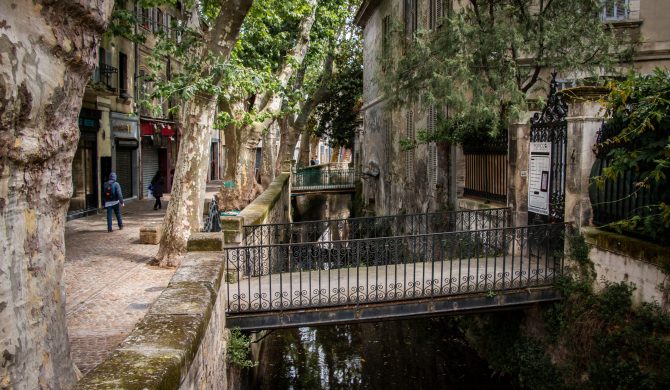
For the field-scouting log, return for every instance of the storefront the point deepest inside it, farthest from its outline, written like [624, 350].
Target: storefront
[125, 152]
[214, 157]
[160, 145]
[85, 192]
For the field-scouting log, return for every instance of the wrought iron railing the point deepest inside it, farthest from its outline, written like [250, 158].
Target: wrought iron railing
[373, 227]
[106, 75]
[340, 273]
[326, 179]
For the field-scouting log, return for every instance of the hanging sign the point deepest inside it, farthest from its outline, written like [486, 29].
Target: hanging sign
[539, 173]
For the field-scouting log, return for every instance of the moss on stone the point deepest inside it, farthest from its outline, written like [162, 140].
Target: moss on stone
[629, 246]
[134, 370]
[202, 267]
[258, 211]
[192, 298]
[205, 242]
[153, 356]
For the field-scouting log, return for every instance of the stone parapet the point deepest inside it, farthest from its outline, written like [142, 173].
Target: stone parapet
[205, 242]
[181, 341]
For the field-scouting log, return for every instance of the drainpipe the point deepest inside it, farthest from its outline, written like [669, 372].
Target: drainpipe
[136, 94]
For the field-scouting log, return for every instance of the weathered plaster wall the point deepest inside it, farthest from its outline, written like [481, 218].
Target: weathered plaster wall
[620, 258]
[389, 187]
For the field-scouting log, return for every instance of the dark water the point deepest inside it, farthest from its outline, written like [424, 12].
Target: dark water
[409, 354]
[421, 353]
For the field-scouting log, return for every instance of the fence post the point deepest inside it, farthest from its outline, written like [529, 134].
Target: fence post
[584, 121]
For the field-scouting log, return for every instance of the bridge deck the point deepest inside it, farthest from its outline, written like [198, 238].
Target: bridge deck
[315, 281]
[329, 288]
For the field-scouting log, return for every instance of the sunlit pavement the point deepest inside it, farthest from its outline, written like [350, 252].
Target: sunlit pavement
[109, 284]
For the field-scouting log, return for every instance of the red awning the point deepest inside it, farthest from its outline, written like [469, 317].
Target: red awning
[167, 130]
[147, 128]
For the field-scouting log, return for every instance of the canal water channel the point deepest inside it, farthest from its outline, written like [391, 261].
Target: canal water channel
[419, 353]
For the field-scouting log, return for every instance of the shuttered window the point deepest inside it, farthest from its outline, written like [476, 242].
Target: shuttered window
[409, 154]
[386, 40]
[411, 17]
[436, 9]
[388, 139]
[432, 148]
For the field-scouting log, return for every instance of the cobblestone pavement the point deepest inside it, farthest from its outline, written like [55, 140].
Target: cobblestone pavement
[109, 285]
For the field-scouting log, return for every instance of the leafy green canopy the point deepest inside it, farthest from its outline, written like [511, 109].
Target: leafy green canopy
[338, 116]
[485, 58]
[640, 119]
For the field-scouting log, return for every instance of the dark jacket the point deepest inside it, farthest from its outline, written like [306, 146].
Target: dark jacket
[157, 187]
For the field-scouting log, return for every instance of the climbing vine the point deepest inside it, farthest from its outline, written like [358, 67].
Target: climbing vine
[588, 340]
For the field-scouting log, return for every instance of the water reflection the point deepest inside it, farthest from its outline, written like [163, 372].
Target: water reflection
[409, 354]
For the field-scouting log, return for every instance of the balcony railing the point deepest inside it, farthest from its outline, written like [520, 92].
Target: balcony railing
[106, 75]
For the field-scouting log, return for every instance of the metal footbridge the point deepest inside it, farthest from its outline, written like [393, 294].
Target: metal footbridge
[323, 179]
[364, 269]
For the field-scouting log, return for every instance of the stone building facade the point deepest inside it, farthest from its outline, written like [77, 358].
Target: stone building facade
[120, 134]
[434, 176]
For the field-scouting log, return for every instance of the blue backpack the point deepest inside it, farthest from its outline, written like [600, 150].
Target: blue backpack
[110, 192]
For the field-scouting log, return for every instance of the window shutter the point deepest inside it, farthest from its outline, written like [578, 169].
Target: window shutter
[409, 154]
[439, 12]
[388, 137]
[431, 14]
[432, 149]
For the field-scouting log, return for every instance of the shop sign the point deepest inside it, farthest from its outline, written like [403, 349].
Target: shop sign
[124, 128]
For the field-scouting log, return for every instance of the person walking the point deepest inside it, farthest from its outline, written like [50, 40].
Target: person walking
[157, 188]
[113, 201]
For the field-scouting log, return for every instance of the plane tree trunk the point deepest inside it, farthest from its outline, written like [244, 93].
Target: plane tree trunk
[47, 54]
[184, 213]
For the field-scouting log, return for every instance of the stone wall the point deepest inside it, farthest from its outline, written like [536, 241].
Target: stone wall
[181, 342]
[620, 258]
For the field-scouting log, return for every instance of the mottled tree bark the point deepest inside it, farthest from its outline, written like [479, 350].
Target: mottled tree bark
[184, 213]
[270, 103]
[47, 54]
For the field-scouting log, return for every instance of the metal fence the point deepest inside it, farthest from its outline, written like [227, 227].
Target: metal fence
[328, 179]
[373, 227]
[486, 168]
[339, 273]
[623, 197]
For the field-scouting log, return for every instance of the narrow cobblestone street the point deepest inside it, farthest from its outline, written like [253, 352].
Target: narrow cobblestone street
[108, 282]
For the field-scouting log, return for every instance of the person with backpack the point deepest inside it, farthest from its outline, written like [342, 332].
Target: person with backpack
[113, 200]
[156, 188]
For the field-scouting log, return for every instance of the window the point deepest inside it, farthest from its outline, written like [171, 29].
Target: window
[145, 19]
[411, 17]
[435, 13]
[386, 36]
[158, 26]
[388, 140]
[615, 10]
[431, 121]
[409, 154]
[123, 73]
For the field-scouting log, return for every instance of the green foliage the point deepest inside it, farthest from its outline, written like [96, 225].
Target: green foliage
[338, 116]
[579, 253]
[587, 340]
[640, 116]
[485, 60]
[239, 348]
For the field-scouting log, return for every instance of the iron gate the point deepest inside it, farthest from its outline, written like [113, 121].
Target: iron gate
[552, 126]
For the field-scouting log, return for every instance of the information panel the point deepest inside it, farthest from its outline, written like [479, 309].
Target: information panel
[538, 177]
